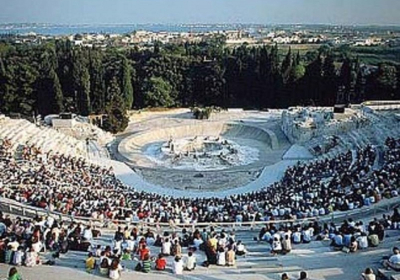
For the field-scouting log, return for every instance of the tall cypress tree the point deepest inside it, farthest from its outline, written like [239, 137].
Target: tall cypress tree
[3, 80]
[83, 94]
[345, 78]
[57, 94]
[329, 81]
[127, 88]
[312, 82]
[117, 118]
[287, 65]
[97, 84]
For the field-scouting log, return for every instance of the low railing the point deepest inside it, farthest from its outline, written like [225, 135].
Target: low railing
[15, 208]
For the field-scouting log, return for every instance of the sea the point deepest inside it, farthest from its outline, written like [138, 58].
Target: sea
[47, 29]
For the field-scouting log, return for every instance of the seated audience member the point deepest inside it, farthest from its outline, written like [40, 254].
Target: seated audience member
[13, 274]
[373, 240]
[276, 246]
[210, 253]
[287, 244]
[31, 258]
[307, 234]
[126, 255]
[115, 269]
[87, 234]
[368, 274]
[394, 261]
[146, 264]
[166, 248]
[303, 276]
[177, 249]
[353, 244]
[337, 240]
[143, 251]
[90, 263]
[221, 257]
[97, 252]
[18, 256]
[161, 262]
[230, 257]
[8, 255]
[362, 241]
[190, 262]
[240, 249]
[296, 237]
[104, 266]
[285, 277]
[177, 266]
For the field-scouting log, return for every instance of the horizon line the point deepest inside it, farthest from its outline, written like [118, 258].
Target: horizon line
[216, 23]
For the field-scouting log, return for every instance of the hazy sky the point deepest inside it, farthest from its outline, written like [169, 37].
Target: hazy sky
[201, 11]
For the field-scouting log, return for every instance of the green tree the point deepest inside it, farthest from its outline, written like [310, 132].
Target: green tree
[329, 81]
[81, 78]
[127, 89]
[157, 93]
[3, 84]
[49, 96]
[312, 82]
[386, 79]
[83, 93]
[57, 92]
[117, 118]
[287, 65]
[97, 83]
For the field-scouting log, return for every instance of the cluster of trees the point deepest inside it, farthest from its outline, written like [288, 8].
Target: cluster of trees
[58, 76]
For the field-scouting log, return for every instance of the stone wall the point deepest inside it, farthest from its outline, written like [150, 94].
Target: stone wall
[302, 124]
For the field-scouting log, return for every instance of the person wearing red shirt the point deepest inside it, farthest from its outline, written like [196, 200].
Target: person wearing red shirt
[161, 263]
[143, 251]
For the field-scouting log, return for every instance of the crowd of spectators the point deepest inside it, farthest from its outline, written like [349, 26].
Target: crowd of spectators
[350, 236]
[220, 248]
[76, 187]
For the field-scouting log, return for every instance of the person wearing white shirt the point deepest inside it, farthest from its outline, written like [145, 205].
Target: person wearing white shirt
[190, 261]
[221, 257]
[166, 247]
[177, 266]
[49, 221]
[276, 246]
[115, 270]
[130, 244]
[87, 234]
[338, 240]
[297, 237]
[307, 236]
[267, 236]
[240, 249]
[362, 241]
[276, 235]
[394, 260]
[197, 242]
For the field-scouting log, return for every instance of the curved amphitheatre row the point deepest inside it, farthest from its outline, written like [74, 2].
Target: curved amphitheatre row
[221, 178]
